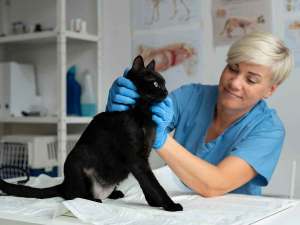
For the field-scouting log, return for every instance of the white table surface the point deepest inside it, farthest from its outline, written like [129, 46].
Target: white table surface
[289, 216]
[6, 219]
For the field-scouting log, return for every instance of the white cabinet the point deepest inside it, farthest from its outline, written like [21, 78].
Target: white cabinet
[52, 51]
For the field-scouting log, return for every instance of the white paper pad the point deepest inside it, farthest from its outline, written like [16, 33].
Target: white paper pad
[230, 209]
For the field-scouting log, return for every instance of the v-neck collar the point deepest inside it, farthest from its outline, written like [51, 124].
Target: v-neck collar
[212, 112]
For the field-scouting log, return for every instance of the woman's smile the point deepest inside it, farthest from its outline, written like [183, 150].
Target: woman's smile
[230, 93]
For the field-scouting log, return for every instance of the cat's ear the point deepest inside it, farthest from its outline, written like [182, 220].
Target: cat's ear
[151, 65]
[138, 63]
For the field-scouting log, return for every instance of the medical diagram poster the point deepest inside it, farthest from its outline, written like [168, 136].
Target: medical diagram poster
[291, 9]
[152, 14]
[171, 34]
[233, 19]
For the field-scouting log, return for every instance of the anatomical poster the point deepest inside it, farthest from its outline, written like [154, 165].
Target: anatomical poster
[170, 32]
[233, 19]
[152, 14]
[291, 10]
[177, 53]
[292, 37]
[292, 6]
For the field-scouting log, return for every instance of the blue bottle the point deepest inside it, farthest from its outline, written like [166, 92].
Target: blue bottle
[73, 93]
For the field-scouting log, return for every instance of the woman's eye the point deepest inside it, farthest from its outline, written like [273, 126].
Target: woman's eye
[232, 69]
[251, 81]
[155, 84]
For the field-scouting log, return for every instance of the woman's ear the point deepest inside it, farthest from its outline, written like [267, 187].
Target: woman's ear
[272, 89]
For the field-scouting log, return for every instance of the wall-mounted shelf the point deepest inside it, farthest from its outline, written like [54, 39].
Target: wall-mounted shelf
[47, 36]
[83, 37]
[29, 119]
[52, 52]
[78, 120]
[46, 120]
[30, 37]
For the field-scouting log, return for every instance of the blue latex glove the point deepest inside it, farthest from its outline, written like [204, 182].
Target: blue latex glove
[162, 115]
[122, 94]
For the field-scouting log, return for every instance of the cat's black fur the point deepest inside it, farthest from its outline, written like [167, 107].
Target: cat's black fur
[113, 145]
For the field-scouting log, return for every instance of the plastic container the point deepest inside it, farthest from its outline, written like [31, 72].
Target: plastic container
[73, 93]
[33, 154]
[88, 98]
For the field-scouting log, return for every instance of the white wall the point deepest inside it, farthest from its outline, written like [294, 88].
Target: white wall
[117, 56]
[116, 41]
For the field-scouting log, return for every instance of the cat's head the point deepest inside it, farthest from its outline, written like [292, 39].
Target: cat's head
[150, 84]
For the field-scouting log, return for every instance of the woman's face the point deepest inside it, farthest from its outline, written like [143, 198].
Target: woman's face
[242, 85]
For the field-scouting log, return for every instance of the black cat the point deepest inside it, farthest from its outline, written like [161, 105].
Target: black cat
[113, 145]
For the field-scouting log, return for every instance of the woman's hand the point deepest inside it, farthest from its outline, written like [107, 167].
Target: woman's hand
[122, 94]
[162, 116]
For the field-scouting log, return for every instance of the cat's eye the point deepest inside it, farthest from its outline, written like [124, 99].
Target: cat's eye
[155, 84]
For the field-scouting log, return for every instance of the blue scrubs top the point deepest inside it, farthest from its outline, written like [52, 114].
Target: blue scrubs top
[257, 137]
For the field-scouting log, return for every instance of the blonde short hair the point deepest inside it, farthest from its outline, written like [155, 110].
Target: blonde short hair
[263, 49]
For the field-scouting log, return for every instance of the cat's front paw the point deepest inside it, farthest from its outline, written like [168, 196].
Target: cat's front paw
[173, 207]
[116, 194]
[97, 200]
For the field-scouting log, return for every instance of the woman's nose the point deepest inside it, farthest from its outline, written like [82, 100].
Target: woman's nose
[236, 82]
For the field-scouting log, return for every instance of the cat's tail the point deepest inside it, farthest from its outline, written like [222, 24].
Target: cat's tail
[30, 192]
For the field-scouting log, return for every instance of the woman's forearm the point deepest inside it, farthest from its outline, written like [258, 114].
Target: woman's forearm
[201, 176]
